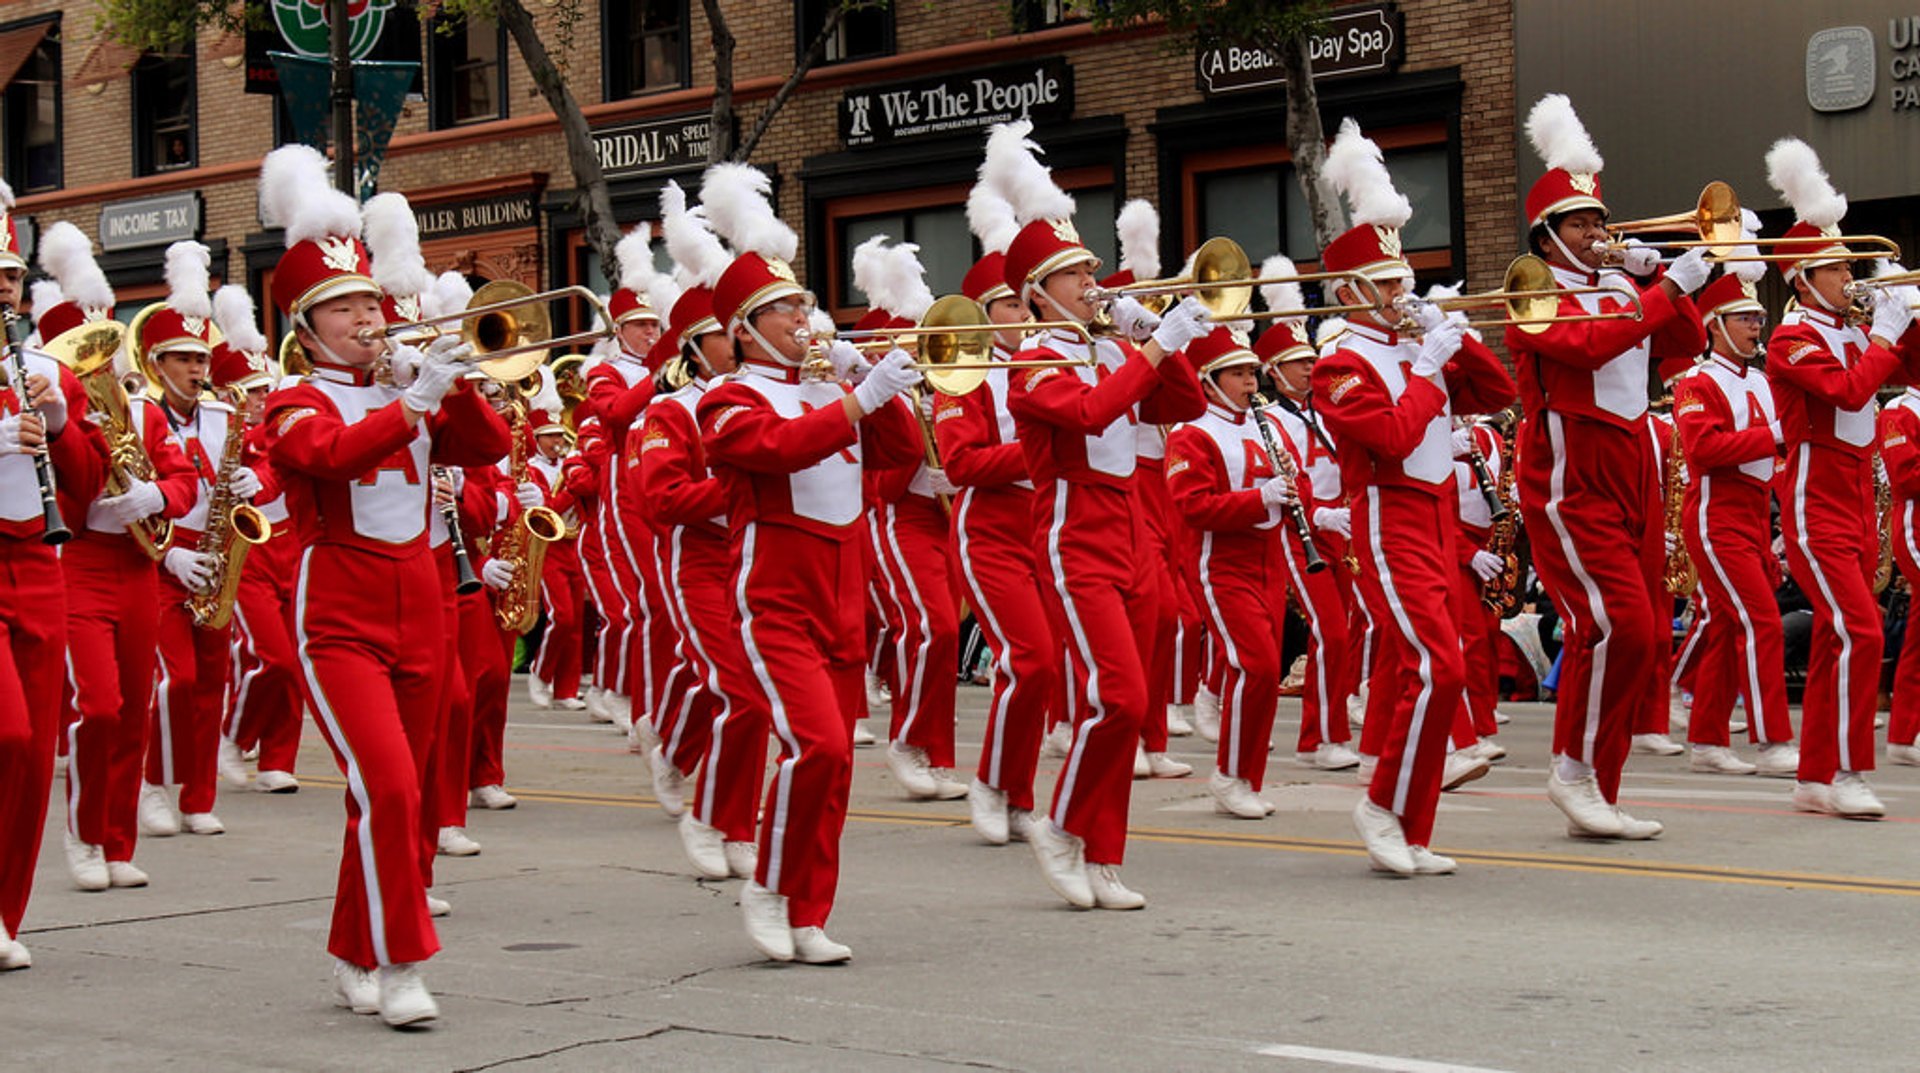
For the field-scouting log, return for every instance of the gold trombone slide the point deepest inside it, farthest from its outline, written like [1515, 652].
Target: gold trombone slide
[507, 320]
[956, 344]
[1716, 220]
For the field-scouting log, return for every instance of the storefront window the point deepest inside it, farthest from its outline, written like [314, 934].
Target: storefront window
[33, 119]
[946, 247]
[163, 102]
[1256, 206]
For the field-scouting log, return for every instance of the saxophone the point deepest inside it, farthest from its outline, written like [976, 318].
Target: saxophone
[127, 459]
[1499, 594]
[1679, 578]
[525, 542]
[1883, 510]
[233, 527]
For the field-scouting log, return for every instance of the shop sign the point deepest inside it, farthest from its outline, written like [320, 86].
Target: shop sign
[1361, 40]
[149, 221]
[965, 100]
[480, 214]
[1840, 69]
[653, 146]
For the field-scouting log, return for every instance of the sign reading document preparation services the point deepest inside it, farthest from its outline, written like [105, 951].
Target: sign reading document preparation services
[1041, 90]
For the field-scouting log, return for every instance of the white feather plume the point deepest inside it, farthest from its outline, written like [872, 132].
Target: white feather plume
[662, 292]
[450, 293]
[737, 199]
[1751, 271]
[392, 233]
[821, 323]
[296, 194]
[635, 254]
[188, 265]
[1138, 227]
[67, 255]
[990, 218]
[546, 399]
[1443, 290]
[1793, 168]
[1357, 169]
[1886, 266]
[1282, 295]
[1013, 170]
[697, 253]
[892, 277]
[6, 195]
[45, 294]
[234, 314]
[1559, 138]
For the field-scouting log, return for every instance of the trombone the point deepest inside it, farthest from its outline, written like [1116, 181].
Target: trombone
[508, 326]
[1716, 220]
[1221, 276]
[956, 344]
[1863, 293]
[1531, 297]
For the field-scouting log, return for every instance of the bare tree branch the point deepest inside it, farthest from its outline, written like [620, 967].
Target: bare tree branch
[814, 51]
[720, 136]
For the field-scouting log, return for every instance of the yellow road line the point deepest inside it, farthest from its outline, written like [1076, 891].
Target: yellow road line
[1640, 869]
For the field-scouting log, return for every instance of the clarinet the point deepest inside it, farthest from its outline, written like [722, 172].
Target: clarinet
[1283, 462]
[54, 528]
[466, 580]
[1496, 506]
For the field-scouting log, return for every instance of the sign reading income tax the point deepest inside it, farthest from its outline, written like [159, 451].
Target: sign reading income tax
[1041, 90]
[149, 221]
[1360, 40]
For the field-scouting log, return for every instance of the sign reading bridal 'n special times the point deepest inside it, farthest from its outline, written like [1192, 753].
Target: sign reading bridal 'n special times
[1041, 90]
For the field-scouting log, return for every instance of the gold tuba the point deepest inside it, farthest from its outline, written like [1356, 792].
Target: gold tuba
[1679, 577]
[233, 527]
[525, 544]
[88, 351]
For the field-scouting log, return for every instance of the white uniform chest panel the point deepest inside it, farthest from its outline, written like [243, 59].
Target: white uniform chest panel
[1320, 465]
[993, 395]
[1432, 459]
[1114, 449]
[1619, 386]
[19, 486]
[389, 503]
[1242, 454]
[829, 490]
[1847, 344]
[1749, 398]
[203, 439]
[631, 371]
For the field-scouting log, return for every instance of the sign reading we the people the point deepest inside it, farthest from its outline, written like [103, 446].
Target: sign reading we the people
[1040, 90]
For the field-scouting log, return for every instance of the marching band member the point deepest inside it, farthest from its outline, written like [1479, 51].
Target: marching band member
[1324, 597]
[1596, 536]
[1824, 372]
[1475, 567]
[1229, 489]
[45, 415]
[789, 451]
[264, 707]
[1651, 722]
[1078, 428]
[551, 482]
[993, 545]
[184, 739]
[1388, 398]
[113, 602]
[1900, 454]
[371, 622]
[1730, 435]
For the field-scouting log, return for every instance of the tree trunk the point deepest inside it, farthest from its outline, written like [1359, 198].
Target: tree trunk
[590, 184]
[1307, 140]
[814, 51]
[720, 136]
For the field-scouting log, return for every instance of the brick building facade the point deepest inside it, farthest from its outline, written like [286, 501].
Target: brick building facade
[1131, 118]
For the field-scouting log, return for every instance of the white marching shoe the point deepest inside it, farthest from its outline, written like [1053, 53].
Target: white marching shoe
[1141, 769]
[812, 947]
[124, 874]
[1020, 824]
[596, 701]
[1779, 760]
[1904, 754]
[1461, 768]
[1177, 724]
[988, 808]
[232, 768]
[493, 798]
[669, 784]
[765, 914]
[1428, 863]
[276, 782]
[879, 695]
[87, 864]
[911, 770]
[539, 692]
[1489, 750]
[155, 811]
[14, 954]
[1679, 710]
[1813, 797]
[404, 998]
[454, 842]
[202, 823]
[1330, 756]
[862, 737]
[355, 988]
[1854, 799]
[704, 846]
[1108, 892]
[1058, 742]
[1162, 766]
[1657, 745]
[569, 704]
[1589, 815]
[1357, 707]
[1235, 797]
[1063, 862]
[1206, 714]
[1718, 760]
[743, 858]
[642, 738]
[1632, 830]
[1386, 842]
[438, 907]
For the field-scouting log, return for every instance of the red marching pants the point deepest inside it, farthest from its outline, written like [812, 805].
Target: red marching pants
[1322, 600]
[993, 547]
[732, 759]
[1099, 596]
[1161, 553]
[910, 541]
[610, 604]
[1828, 520]
[1479, 637]
[800, 617]
[183, 740]
[1739, 648]
[265, 705]
[112, 615]
[1239, 583]
[33, 640]
[443, 797]
[563, 595]
[372, 635]
[486, 651]
[1589, 493]
[1404, 539]
[1904, 724]
[653, 652]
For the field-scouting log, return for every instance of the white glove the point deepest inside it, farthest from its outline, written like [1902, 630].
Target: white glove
[1486, 565]
[1134, 320]
[1428, 315]
[1638, 259]
[1462, 442]
[445, 364]
[403, 362]
[501, 506]
[11, 440]
[137, 502]
[497, 573]
[529, 495]
[45, 396]
[244, 483]
[1893, 313]
[941, 485]
[192, 569]
[894, 374]
[1690, 270]
[1334, 520]
[1436, 347]
[1182, 325]
[848, 363]
[1278, 492]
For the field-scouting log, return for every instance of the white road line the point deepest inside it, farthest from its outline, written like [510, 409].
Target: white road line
[1363, 1060]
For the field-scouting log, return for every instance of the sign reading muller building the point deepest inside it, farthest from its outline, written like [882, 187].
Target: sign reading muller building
[1041, 90]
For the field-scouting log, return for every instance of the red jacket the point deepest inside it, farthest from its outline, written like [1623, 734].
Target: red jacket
[1077, 424]
[1597, 369]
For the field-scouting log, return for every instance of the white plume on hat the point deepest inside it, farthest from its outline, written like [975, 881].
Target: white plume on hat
[820, 322]
[392, 233]
[635, 254]
[607, 346]
[737, 200]
[6, 195]
[892, 277]
[546, 399]
[449, 293]
[1751, 271]
[296, 194]
[1793, 168]
[45, 294]
[188, 263]
[1441, 291]
[1138, 227]
[990, 218]
[1357, 169]
[698, 255]
[1559, 138]
[1282, 295]
[234, 314]
[66, 254]
[1012, 169]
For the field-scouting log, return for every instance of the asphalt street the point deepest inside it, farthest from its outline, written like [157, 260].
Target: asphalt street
[1748, 938]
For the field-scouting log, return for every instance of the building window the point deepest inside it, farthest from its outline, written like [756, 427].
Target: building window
[32, 116]
[646, 46]
[1030, 15]
[163, 111]
[468, 81]
[864, 32]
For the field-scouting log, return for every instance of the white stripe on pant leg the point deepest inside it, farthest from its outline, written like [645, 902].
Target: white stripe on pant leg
[1755, 717]
[1402, 782]
[1234, 725]
[1702, 618]
[74, 766]
[710, 765]
[1085, 730]
[918, 682]
[609, 520]
[244, 654]
[995, 745]
[356, 783]
[539, 668]
[1318, 656]
[1803, 462]
[1597, 672]
[163, 707]
[782, 729]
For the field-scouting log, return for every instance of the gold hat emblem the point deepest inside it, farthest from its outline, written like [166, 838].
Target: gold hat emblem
[1582, 181]
[1389, 240]
[195, 325]
[1063, 230]
[1747, 291]
[779, 268]
[338, 253]
[408, 306]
